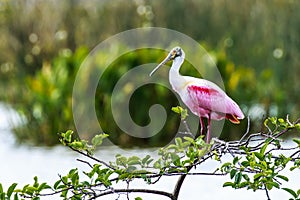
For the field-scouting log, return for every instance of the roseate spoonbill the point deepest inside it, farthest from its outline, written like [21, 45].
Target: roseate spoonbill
[202, 97]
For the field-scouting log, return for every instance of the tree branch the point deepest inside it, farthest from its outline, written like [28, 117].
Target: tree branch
[92, 157]
[258, 147]
[157, 192]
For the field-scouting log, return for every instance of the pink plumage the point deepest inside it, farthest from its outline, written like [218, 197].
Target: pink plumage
[205, 100]
[202, 97]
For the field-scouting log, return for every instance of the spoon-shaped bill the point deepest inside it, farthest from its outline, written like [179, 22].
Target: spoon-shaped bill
[169, 57]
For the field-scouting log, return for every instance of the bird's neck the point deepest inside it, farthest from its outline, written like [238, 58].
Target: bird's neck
[176, 80]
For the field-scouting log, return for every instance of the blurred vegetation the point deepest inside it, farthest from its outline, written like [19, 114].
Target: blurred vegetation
[256, 46]
[139, 103]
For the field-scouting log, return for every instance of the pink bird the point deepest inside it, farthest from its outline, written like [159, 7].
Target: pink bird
[202, 97]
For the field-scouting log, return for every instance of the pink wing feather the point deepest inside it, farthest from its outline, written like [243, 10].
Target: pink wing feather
[206, 100]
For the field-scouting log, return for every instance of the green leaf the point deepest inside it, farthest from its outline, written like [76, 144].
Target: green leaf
[177, 109]
[297, 126]
[263, 148]
[138, 198]
[16, 197]
[238, 178]
[64, 193]
[226, 184]
[292, 192]
[226, 167]
[123, 176]
[186, 144]
[266, 122]
[1, 188]
[283, 177]
[68, 136]
[56, 184]
[173, 146]
[157, 164]
[181, 111]
[178, 142]
[144, 160]
[184, 114]
[43, 186]
[147, 160]
[259, 156]
[98, 139]
[273, 120]
[36, 183]
[175, 159]
[121, 160]
[270, 185]
[246, 177]
[245, 164]
[199, 141]
[106, 178]
[243, 184]
[134, 160]
[65, 179]
[11, 189]
[2, 196]
[72, 171]
[131, 168]
[30, 190]
[189, 139]
[232, 173]
[75, 179]
[257, 176]
[235, 160]
[77, 144]
[280, 120]
[297, 141]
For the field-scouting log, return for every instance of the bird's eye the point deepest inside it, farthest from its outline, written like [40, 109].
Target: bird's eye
[178, 52]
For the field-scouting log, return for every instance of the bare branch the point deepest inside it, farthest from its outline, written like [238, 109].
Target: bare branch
[92, 157]
[157, 192]
[267, 192]
[248, 129]
[86, 162]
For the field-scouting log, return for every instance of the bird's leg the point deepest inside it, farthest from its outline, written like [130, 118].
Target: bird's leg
[208, 129]
[202, 126]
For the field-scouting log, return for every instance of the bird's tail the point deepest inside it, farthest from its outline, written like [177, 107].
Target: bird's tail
[232, 118]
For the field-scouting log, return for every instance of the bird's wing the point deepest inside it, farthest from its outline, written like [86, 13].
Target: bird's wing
[212, 98]
[207, 97]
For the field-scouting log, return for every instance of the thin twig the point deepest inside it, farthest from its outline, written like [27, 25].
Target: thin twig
[188, 129]
[157, 192]
[92, 158]
[127, 194]
[247, 130]
[86, 162]
[267, 192]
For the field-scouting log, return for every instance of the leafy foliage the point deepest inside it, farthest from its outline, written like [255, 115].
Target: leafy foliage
[260, 167]
[39, 89]
[44, 100]
[256, 165]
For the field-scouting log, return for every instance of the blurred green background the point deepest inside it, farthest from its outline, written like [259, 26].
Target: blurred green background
[256, 46]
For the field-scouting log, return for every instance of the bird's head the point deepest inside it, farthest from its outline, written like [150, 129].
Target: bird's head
[175, 53]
